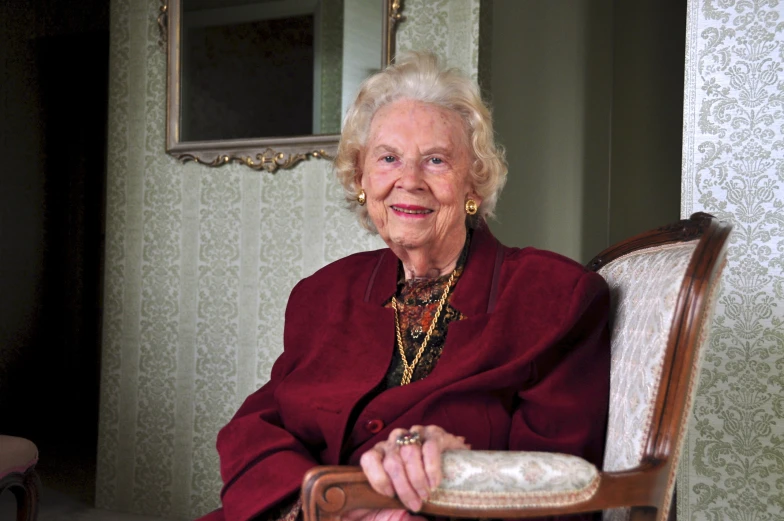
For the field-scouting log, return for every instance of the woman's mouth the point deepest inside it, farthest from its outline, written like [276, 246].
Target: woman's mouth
[410, 209]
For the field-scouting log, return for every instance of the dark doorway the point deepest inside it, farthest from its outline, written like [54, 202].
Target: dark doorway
[53, 98]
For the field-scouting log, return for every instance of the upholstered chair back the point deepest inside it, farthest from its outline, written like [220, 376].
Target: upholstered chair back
[644, 286]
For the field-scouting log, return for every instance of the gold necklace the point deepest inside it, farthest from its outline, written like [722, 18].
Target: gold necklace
[408, 369]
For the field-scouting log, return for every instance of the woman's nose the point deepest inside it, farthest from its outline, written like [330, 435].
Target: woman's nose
[411, 177]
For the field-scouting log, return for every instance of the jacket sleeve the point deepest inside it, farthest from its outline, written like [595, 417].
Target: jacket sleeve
[261, 463]
[563, 407]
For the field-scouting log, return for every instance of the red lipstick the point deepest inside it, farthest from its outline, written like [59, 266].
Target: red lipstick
[410, 210]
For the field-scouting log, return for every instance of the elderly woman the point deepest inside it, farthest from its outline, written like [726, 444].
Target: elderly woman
[446, 340]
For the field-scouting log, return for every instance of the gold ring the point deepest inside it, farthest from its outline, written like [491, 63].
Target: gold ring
[409, 438]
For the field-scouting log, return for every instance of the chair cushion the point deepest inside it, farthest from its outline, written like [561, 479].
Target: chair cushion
[503, 479]
[16, 455]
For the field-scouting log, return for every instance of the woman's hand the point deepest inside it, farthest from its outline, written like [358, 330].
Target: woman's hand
[408, 471]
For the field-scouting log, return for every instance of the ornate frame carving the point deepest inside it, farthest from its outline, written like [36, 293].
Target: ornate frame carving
[269, 154]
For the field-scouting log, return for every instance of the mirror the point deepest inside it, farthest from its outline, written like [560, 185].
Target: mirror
[266, 82]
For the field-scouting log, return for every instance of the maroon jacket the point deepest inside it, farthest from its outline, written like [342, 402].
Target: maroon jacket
[528, 369]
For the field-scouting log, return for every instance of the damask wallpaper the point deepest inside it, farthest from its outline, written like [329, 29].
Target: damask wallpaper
[199, 265]
[733, 167]
[448, 27]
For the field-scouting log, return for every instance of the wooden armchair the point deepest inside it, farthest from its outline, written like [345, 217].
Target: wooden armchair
[663, 286]
[18, 457]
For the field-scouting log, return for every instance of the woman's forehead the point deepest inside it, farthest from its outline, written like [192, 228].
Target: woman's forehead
[408, 120]
[409, 108]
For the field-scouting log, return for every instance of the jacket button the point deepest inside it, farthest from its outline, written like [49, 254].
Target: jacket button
[374, 426]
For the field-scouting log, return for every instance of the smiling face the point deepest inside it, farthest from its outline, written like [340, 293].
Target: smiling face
[415, 173]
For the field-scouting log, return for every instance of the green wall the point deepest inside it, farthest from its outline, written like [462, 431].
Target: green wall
[587, 103]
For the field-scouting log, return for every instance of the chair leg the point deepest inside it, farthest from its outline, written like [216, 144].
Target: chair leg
[32, 486]
[25, 487]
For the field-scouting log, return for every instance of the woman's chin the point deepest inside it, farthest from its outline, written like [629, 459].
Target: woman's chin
[409, 241]
[421, 237]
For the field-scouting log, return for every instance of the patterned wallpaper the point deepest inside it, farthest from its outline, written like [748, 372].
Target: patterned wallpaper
[442, 26]
[199, 265]
[733, 167]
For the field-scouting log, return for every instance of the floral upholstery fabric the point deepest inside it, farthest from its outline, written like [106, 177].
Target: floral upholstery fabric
[499, 479]
[644, 287]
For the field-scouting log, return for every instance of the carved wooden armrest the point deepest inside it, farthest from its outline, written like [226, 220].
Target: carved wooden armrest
[500, 484]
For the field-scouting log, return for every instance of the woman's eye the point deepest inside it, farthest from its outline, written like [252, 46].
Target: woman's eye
[436, 160]
[389, 159]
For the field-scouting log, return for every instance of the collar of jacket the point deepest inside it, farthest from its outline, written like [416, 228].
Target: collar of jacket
[475, 292]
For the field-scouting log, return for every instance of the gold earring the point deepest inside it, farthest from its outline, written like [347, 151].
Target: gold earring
[471, 207]
[361, 197]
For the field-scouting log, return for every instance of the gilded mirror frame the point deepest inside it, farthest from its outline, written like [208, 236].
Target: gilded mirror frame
[269, 154]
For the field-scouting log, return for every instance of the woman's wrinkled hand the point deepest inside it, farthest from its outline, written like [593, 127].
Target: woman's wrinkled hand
[408, 471]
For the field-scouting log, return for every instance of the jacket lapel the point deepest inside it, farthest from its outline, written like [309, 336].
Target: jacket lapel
[472, 292]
